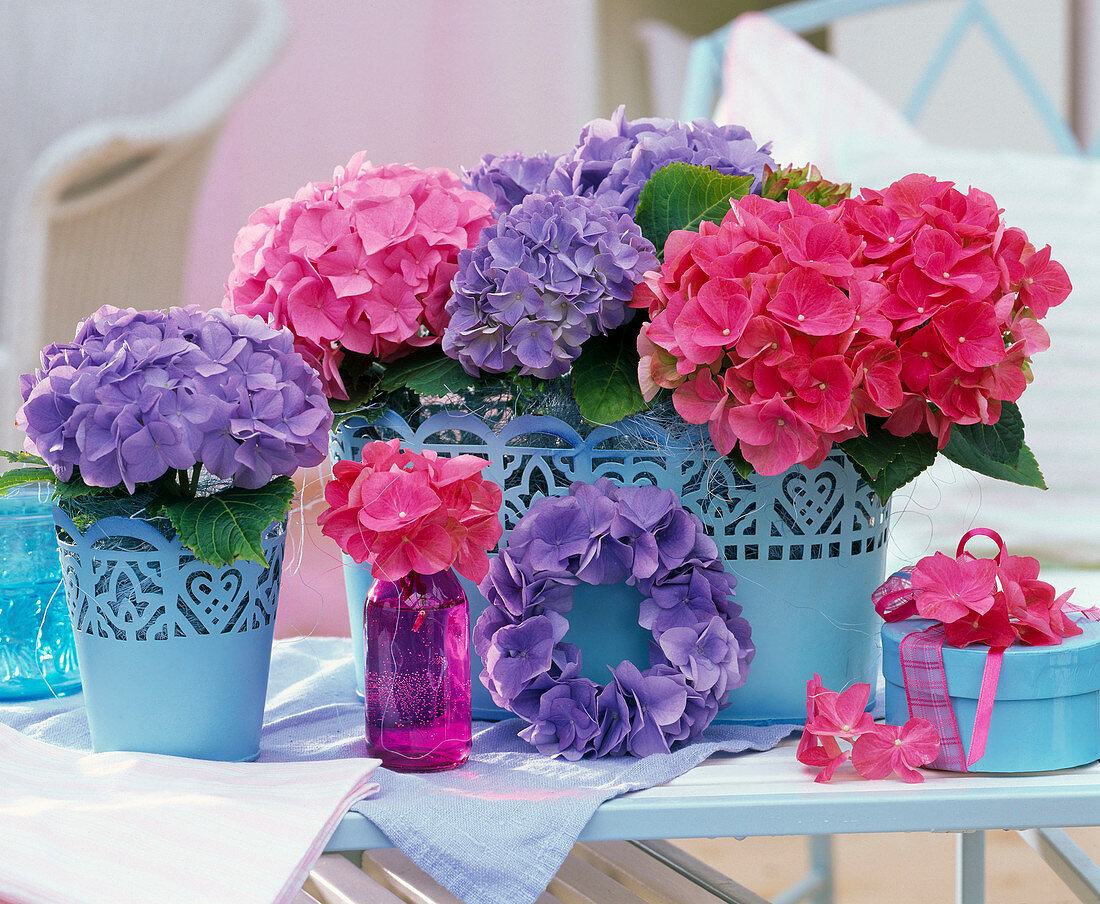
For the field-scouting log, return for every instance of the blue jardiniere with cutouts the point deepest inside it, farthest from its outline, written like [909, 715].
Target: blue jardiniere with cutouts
[174, 652]
[807, 547]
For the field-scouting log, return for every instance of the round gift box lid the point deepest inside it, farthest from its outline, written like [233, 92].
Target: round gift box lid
[1072, 667]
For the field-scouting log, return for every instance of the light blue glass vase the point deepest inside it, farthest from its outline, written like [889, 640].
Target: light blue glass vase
[37, 650]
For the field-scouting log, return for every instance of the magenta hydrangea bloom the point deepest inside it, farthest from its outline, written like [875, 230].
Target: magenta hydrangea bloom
[139, 393]
[615, 157]
[550, 274]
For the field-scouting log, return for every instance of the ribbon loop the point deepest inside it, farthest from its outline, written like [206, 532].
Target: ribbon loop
[982, 532]
[895, 600]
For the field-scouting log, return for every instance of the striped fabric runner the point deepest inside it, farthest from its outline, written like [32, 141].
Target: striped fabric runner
[122, 828]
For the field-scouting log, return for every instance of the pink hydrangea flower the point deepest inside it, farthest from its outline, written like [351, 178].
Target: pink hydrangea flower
[787, 325]
[993, 601]
[822, 751]
[875, 751]
[362, 264]
[403, 512]
[900, 749]
[949, 589]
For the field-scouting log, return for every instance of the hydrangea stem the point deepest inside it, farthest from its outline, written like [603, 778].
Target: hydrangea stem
[189, 484]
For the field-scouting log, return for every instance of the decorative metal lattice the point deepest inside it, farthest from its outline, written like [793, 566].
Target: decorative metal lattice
[826, 513]
[124, 579]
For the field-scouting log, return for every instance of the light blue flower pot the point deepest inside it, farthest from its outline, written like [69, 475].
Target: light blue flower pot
[807, 547]
[174, 653]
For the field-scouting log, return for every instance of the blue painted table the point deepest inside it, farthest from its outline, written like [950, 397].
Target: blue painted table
[772, 794]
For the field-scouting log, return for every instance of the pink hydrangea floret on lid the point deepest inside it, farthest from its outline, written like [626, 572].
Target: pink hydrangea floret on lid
[787, 325]
[362, 264]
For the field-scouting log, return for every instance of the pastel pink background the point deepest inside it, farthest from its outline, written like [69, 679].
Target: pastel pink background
[429, 82]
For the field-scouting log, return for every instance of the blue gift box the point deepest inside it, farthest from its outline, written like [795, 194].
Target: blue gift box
[1046, 713]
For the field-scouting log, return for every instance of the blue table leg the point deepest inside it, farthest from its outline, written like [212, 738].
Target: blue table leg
[970, 868]
[1072, 865]
[821, 861]
[816, 887]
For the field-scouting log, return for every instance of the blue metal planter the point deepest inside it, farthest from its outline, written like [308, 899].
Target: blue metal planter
[807, 547]
[174, 653]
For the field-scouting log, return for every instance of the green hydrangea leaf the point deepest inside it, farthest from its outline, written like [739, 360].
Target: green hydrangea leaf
[19, 476]
[22, 458]
[740, 464]
[887, 462]
[230, 525]
[1000, 442]
[806, 181]
[428, 372]
[605, 378]
[1024, 470]
[681, 196]
[76, 488]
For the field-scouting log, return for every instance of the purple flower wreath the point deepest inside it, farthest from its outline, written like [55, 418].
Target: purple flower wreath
[605, 534]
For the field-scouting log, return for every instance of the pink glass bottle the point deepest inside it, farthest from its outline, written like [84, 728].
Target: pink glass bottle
[417, 639]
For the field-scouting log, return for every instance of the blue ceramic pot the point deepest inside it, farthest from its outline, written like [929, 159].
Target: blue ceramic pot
[807, 547]
[174, 653]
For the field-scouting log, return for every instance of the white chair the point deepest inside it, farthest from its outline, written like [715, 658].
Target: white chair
[109, 113]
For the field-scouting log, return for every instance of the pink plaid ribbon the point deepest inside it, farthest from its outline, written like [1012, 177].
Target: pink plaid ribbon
[926, 692]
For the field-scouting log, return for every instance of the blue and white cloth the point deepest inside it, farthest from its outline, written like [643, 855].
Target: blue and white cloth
[494, 831]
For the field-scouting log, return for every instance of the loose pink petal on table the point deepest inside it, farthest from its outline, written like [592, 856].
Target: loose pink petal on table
[896, 748]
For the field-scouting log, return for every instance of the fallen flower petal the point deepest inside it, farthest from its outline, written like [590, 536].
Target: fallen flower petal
[893, 748]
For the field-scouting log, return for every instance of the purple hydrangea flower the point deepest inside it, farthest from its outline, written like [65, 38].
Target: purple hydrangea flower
[700, 708]
[519, 654]
[702, 653]
[509, 178]
[613, 715]
[615, 157]
[566, 722]
[550, 274]
[139, 393]
[658, 700]
[564, 664]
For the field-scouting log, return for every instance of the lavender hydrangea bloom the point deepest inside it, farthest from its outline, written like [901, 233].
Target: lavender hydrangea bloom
[509, 178]
[520, 653]
[615, 157]
[702, 653]
[613, 716]
[566, 722]
[659, 700]
[139, 393]
[550, 274]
